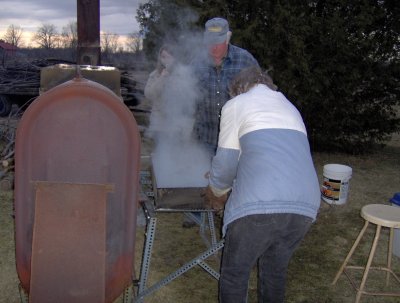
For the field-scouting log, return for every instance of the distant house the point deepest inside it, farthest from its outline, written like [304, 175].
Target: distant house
[7, 50]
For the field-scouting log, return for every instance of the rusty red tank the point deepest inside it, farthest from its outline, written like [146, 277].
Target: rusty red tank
[80, 132]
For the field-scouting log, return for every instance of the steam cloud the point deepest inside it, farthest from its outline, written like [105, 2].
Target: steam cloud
[178, 160]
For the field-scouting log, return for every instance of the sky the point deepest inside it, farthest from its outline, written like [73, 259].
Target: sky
[116, 16]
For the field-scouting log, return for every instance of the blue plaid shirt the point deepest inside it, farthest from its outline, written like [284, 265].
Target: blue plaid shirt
[214, 84]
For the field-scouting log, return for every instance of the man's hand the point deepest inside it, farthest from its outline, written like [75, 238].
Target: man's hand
[214, 202]
[164, 72]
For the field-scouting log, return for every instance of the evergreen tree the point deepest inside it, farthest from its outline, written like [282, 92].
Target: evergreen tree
[164, 22]
[337, 61]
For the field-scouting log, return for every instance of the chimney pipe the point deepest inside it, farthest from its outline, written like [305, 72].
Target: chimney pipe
[88, 16]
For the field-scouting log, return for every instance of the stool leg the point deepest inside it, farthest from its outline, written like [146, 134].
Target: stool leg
[370, 258]
[389, 256]
[360, 235]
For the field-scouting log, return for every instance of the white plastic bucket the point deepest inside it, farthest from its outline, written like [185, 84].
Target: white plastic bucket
[335, 185]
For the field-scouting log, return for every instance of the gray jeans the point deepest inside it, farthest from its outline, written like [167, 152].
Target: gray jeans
[269, 239]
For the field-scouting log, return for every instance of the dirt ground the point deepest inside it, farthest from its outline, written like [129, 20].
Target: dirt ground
[375, 179]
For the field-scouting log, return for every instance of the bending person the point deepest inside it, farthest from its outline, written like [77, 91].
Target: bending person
[264, 159]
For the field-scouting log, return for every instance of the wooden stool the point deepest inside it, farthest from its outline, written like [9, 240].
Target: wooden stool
[382, 216]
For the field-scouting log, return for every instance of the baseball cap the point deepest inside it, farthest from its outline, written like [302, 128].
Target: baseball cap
[215, 31]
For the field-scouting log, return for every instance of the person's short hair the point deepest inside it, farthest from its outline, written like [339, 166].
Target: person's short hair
[170, 49]
[216, 30]
[248, 78]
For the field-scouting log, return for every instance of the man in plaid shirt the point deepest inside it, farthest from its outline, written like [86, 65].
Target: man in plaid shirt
[214, 74]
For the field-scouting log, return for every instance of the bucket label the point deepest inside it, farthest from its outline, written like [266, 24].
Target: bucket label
[335, 189]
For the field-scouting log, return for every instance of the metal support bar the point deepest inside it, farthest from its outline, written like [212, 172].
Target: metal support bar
[148, 248]
[128, 295]
[210, 270]
[213, 248]
[196, 261]
[205, 225]
[210, 215]
[197, 220]
[23, 295]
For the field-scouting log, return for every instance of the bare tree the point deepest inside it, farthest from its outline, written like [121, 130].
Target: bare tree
[47, 36]
[134, 42]
[109, 43]
[13, 35]
[69, 35]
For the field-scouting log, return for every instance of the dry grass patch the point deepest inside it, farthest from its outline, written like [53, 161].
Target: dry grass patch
[375, 179]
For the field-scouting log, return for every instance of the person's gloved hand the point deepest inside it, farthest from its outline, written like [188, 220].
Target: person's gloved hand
[214, 202]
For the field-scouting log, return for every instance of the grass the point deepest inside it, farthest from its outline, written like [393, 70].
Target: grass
[375, 179]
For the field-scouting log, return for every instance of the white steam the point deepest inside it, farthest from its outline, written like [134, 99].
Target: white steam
[178, 159]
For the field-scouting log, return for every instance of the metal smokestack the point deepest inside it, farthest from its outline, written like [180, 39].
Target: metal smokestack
[88, 15]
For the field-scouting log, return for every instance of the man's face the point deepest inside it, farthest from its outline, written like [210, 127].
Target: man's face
[218, 52]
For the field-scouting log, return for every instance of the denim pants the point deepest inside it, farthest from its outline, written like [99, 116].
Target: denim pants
[270, 240]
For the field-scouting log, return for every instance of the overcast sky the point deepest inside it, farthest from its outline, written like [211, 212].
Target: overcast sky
[116, 16]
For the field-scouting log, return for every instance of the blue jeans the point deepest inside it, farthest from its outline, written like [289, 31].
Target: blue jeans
[270, 240]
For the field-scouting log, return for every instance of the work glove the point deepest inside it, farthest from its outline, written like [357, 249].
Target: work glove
[211, 201]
